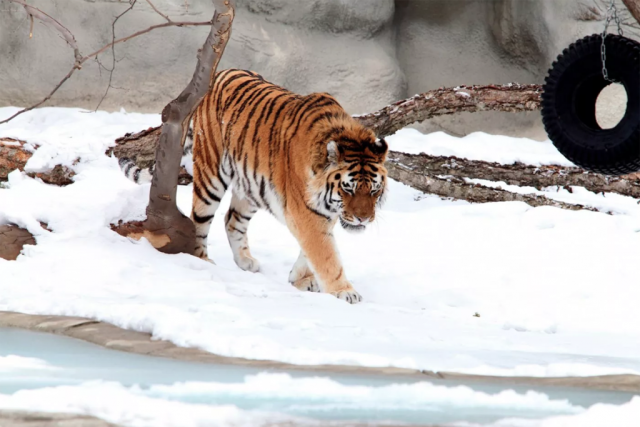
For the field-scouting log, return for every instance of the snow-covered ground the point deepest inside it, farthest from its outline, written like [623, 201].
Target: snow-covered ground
[501, 289]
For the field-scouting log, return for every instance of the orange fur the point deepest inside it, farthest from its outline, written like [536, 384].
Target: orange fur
[302, 158]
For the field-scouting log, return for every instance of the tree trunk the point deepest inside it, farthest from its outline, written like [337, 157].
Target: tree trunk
[165, 223]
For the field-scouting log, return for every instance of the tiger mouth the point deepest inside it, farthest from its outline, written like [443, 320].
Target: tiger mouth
[351, 227]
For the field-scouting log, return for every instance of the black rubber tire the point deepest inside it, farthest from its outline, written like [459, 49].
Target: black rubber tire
[569, 105]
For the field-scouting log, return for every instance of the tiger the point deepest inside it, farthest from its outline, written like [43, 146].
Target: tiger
[302, 158]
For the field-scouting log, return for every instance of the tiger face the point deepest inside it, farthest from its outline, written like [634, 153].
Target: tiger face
[355, 180]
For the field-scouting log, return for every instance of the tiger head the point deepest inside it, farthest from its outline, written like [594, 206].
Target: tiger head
[352, 183]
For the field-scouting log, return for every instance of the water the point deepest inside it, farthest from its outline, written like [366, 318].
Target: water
[78, 362]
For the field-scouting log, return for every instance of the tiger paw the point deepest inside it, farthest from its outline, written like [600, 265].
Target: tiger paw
[248, 263]
[350, 296]
[308, 283]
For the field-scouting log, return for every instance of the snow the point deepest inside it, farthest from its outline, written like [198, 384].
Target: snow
[548, 291]
[555, 290]
[266, 398]
[478, 146]
[114, 403]
[600, 415]
[12, 363]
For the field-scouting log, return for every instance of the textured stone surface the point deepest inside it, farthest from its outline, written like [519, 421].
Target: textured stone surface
[367, 53]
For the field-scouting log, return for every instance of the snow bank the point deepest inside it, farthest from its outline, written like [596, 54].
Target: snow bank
[478, 146]
[627, 415]
[128, 407]
[195, 404]
[12, 363]
[328, 394]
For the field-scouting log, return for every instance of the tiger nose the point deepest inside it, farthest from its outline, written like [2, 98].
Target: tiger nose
[362, 220]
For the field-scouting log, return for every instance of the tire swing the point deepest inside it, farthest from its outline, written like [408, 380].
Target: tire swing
[571, 90]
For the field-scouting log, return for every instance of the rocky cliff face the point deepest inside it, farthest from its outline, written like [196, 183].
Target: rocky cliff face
[367, 53]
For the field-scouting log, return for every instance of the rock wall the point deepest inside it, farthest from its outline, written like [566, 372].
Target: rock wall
[367, 53]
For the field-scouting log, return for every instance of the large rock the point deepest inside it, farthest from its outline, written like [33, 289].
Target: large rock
[367, 53]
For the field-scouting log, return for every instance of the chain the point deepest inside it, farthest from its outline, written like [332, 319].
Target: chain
[612, 15]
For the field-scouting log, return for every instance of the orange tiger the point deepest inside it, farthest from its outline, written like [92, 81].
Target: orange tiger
[302, 158]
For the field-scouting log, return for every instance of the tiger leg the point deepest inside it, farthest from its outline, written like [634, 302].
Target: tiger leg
[302, 277]
[314, 233]
[237, 222]
[207, 194]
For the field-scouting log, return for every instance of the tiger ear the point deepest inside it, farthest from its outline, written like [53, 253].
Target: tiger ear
[333, 152]
[380, 148]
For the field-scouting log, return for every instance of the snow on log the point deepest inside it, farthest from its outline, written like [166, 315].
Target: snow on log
[14, 155]
[458, 188]
[539, 177]
[12, 240]
[511, 98]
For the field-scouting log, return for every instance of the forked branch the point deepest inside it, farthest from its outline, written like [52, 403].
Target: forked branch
[34, 12]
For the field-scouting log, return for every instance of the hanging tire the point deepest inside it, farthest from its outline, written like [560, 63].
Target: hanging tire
[569, 105]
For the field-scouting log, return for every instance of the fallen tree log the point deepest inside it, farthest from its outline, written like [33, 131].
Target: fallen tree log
[539, 177]
[141, 148]
[510, 98]
[457, 188]
[14, 155]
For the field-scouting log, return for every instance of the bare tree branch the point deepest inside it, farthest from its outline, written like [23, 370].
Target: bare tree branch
[157, 11]
[79, 59]
[34, 12]
[113, 51]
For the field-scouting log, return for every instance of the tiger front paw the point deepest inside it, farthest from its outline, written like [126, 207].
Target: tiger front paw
[308, 283]
[248, 263]
[350, 296]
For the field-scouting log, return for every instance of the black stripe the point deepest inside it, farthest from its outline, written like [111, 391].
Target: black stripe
[323, 116]
[201, 219]
[350, 141]
[241, 218]
[196, 190]
[236, 230]
[128, 168]
[317, 213]
[236, 92]
[274, 129]
[210, 194]
[219, 93]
